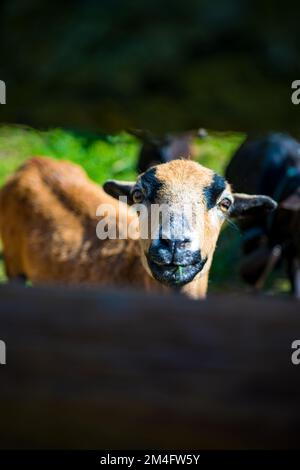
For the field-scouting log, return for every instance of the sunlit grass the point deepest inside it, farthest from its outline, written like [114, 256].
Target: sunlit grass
[105, 157]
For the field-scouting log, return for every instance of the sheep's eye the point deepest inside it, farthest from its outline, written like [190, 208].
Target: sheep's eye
[225, 204]
[138, 196]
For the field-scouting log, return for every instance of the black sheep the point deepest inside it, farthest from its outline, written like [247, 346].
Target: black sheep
[270, 165]
[163, 149]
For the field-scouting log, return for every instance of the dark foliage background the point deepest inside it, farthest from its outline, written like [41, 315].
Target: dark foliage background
[160, 64]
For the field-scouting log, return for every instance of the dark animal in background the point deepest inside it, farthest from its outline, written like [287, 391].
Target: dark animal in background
[163, 149]
[270, 165]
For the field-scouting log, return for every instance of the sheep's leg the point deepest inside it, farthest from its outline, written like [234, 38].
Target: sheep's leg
[21, 279]
[12, 275]
[293, 269]
[274, 257]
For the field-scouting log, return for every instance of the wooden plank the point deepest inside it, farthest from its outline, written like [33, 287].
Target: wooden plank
[104, 369]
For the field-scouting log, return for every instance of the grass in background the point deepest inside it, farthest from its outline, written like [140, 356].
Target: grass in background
[102, 158]
[105, 157]
[215, 150]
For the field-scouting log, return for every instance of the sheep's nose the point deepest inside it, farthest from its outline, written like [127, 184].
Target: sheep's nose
[175, 245]
[167, 251]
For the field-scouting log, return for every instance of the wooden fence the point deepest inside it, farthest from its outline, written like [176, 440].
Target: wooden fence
[118, 370]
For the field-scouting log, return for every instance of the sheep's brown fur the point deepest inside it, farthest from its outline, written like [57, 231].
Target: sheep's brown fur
[48, 229]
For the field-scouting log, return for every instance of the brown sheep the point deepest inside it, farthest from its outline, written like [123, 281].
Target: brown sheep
[48, 226]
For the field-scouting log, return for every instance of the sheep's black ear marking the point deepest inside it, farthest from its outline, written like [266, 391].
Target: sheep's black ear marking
[214, 190]
[245, 204]
[151, 183]
[119, 188]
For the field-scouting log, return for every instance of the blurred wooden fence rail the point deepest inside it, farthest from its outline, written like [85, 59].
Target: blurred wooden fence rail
[117, 370]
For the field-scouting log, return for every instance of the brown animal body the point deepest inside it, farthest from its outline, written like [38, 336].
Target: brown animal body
[48, 227]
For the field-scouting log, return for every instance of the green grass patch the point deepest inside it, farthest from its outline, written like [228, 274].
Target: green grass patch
[102, 158]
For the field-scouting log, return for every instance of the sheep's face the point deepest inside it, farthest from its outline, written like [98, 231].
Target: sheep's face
[182, 206]
[185, 219]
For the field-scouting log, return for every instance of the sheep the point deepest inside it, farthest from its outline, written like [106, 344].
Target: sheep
[48, 225]
[162, 149]
[271, 165]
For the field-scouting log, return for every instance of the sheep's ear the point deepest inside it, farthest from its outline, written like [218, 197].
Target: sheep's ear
[119, 188]
[246, 204]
